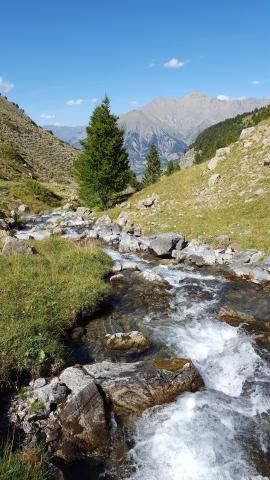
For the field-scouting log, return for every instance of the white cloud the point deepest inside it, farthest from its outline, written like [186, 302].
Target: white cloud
[152, 65]
[240, 98]
[174, 63]
[75, 101]
[47, 116]
[57, 124]
[5, 86]
[255, 82]
[223, 98]
[94, 100]
[133, 102]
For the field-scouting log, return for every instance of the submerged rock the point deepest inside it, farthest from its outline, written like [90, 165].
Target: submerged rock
[127, 341]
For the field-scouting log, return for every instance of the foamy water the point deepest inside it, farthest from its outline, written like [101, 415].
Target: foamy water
[206, 435]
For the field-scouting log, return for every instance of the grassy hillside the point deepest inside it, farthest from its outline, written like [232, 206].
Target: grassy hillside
[40, 296]
[224, 133]
[36, 151]
[35, 166]
[237, 205]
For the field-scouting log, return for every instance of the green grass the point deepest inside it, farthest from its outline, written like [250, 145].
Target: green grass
[231, 207]
[40, 296]
[38, 196]
[22, 465]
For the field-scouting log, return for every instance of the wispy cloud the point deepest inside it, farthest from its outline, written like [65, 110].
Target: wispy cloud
[47, 116]
[74, 101]
[255, 82]
[94, 100]
[152, 65]
[5, 85]
[174, 63]
[133, 102]
[57, 124]
[223, 98]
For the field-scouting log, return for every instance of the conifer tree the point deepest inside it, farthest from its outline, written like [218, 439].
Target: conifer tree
[102, 169]
[170, 168]
[152, 170]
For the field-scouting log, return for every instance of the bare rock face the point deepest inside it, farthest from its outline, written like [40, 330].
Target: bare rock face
[130, 341]
[19, 247]
[134, 387]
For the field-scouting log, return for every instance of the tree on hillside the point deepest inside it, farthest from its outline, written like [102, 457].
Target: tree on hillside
[171, 168]
[102, 169]
[152, 170]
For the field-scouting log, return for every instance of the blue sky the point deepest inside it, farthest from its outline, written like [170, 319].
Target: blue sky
[59, 57]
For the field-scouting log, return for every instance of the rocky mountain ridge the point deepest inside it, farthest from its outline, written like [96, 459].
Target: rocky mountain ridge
[171, 124]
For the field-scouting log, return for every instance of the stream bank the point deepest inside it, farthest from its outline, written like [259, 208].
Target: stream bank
[219, 432]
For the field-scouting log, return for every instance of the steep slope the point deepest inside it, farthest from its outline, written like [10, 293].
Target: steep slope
[229, 195]
[38, 152]
[171, 125]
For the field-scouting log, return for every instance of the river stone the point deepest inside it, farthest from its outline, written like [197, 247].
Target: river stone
[129, 243]
[132, 388]
[151, 276]
[14, 246]
[164, 243]
[122, 220]
[127, 341]
[84, 425]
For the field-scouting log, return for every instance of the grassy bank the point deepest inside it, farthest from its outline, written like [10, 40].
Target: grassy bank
[40, 296]
[238, 204]
[22, 465]
[38, 196]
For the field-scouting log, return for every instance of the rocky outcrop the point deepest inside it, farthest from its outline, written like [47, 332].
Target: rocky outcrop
[71, 413]
[133, 387]
[127, 341]
[148, 202]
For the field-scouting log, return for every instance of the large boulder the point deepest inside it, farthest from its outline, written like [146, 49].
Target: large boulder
[196, 254]
[133, 387]
[164, 243]
[102, 221]
[13, 245]
[127, 341]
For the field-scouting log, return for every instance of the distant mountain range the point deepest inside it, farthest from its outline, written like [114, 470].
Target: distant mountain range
[171, 125]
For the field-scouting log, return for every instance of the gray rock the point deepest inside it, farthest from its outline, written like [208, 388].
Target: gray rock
[222, 239]
[246, 132]
[196, 254]
[19, 247]
[117, 278]
[74, 378]
[151, 276]
[117, 267]
[214, 179]
[148, 202]
[129, 243]
[122, 220]
[181, 243]
[102, 221]
[164, 243]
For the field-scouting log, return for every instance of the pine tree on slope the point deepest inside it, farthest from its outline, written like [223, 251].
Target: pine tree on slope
[152, 170]
[102, 169]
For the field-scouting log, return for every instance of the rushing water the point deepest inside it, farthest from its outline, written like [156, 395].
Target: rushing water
[223, 432]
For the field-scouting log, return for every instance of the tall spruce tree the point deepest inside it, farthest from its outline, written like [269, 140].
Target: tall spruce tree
[102, 169]
[152, 170]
